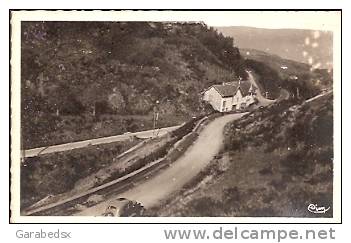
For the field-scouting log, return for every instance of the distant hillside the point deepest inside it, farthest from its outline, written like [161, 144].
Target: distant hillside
[275, 72]
[285, 67]
[294, 44]
[83, 79]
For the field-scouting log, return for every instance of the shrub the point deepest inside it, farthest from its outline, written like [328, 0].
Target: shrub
[186, 128]
[266, 171]
[321, 130]
[235, 144]
[322, 156]
[262, 212]
[295, 163]
[278, 185]
[204, 206]
[231, 196]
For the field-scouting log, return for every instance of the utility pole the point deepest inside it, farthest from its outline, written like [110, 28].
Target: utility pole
[155, 118]
[94, 110]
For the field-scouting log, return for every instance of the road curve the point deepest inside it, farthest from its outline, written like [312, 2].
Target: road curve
[198, 156]
[263, 100]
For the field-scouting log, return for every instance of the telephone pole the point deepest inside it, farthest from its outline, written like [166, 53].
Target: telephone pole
[155, 118]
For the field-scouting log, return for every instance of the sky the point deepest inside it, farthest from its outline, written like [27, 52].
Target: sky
[277, 20]
[316, 20]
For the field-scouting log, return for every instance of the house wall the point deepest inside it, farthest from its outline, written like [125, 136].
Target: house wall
[237, 99]
[214, 98]
[227, 104]
[250, 99]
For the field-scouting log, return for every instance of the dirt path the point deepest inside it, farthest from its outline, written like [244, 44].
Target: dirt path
[150, 192]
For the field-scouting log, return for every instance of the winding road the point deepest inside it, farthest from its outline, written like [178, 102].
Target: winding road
[284, 94]
[197, 157]
[263, 100]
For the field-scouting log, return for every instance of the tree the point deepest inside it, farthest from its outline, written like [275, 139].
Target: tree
[117, 101]
[93, 95]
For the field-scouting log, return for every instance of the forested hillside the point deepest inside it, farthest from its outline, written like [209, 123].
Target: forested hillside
[91, 79]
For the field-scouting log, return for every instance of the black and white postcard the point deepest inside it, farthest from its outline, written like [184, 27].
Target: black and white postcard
[175, 116]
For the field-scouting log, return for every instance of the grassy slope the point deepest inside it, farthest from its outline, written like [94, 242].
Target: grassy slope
[275, 163]
[56, 173]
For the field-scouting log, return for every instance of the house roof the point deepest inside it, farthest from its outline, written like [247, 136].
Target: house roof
[227, 90]
[246, 87]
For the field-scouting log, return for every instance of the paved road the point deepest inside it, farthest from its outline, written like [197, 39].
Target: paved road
[96, 141]
[198, 156]
[284, 94]
[263, 100]
[318, 96]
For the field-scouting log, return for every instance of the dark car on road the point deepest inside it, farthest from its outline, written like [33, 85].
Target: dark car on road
[123, 207]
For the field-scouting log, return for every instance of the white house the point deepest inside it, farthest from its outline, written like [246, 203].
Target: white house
[228, 97]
